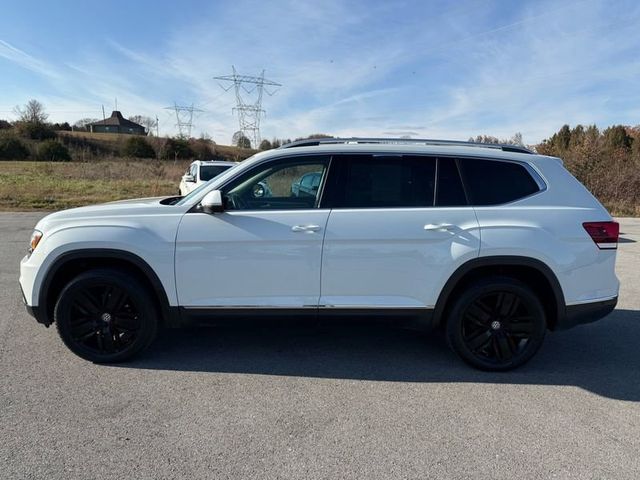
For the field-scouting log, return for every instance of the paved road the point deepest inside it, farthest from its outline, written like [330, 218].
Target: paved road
[317, 403]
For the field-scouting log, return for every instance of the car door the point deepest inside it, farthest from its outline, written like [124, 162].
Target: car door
[399, 226]
[263, 251]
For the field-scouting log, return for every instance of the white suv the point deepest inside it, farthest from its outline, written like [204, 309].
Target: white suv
[493, 244]
[201, 171]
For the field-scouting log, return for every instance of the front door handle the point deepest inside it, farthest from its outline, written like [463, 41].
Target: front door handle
[442, 227]
[306, 228]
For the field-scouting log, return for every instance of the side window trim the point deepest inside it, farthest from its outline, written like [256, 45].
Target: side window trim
[465, 187]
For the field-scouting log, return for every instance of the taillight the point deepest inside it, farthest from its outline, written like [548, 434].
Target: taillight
[604, 234]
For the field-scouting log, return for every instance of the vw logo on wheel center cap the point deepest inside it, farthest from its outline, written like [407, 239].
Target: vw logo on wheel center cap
[105, 317]
[495, 325]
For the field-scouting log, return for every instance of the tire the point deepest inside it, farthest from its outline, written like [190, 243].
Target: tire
[106, 316]
[496, 324]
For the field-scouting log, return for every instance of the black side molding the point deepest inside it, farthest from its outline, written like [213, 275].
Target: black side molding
[411, 318]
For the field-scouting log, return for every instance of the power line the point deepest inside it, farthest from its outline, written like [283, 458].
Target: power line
[249, 113]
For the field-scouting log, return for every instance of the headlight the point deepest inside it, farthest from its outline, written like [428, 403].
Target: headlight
[35, 239]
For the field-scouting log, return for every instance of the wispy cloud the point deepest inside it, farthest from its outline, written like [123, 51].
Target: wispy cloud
[24, 60]
[367, 68]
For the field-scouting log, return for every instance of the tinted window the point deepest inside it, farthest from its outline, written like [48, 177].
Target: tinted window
[270, 186]
[450, 192]
[207, 172]
[491, 182]
[375, 182]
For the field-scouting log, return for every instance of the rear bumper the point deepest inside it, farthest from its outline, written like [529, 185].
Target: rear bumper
[586, 313]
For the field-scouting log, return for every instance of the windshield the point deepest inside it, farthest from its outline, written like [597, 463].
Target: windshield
[207, 172]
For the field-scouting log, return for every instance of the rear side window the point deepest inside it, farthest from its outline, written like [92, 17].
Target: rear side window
[207, 172]
[492, 182]
[377, 182]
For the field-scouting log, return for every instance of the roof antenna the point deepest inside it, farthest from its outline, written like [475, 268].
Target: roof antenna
[116, 104]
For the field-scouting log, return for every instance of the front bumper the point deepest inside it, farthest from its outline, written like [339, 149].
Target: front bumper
[35, 312]
[585, 313]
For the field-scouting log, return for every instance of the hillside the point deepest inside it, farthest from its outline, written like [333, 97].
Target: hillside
[100, 144]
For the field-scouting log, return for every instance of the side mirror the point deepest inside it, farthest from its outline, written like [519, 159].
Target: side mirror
[212, 202]
[189, 178]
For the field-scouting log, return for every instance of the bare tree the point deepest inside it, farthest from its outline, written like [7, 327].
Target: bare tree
[516, 139]
[33, 112]
[147, 122]
[83, 122]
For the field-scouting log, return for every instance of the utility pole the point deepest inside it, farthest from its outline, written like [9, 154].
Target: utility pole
[157, 127]
[249, 113]
[184, 118]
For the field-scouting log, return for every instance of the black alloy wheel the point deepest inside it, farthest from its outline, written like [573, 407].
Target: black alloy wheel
[497, 324]
[105, 316]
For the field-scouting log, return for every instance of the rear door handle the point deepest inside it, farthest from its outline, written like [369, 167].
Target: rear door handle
[442, 227]
[305, 228]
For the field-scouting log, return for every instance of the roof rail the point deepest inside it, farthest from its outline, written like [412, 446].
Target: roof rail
[313, 142]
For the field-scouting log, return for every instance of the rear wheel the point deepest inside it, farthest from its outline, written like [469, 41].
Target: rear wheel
[496, 324]
[106, 316]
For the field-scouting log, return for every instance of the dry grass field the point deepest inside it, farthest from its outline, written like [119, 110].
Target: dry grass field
[52, 186]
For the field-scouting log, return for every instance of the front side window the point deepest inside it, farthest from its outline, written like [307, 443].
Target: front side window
[492, 182]
[275, 185]
[370, 181]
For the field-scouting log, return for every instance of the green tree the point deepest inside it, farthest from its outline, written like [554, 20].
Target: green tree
[35, 131]
[243, 142]
[138, 147]
[203, 149]
[62, 126]
[617, 137]
[12, 148]
[177, 148]
[4, 125]
[265, 145]
[53, 151]
[562, 138]
[314, 136]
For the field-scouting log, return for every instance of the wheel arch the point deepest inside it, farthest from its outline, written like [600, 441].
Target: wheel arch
[531, 271]
[70, 264]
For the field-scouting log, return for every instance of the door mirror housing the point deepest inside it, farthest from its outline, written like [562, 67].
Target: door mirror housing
[188, 178]
[212, 202]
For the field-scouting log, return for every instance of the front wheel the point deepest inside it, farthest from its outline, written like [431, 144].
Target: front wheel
[496, 324]
[106, 316]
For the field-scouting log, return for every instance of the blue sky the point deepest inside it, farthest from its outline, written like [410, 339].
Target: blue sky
[435, 69]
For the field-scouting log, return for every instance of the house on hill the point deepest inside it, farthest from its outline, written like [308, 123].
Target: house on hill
[116, 123]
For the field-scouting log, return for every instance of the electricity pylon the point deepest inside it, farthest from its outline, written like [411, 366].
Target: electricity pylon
[184, 118]
[249, 113]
